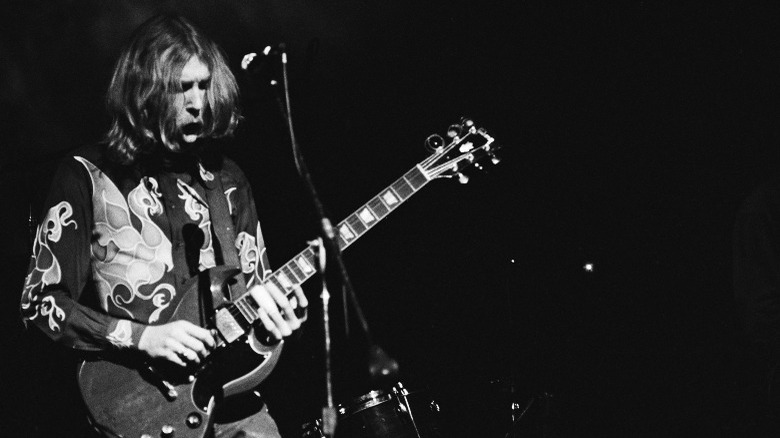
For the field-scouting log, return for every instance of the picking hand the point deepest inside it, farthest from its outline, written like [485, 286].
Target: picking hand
[176, 340]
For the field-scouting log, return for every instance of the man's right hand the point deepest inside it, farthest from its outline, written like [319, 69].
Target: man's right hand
[176, 341]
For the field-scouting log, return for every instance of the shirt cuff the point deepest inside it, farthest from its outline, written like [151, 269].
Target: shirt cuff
[124, 333]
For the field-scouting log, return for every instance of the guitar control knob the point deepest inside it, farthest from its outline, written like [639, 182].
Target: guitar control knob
[193, 420]
[167, 431]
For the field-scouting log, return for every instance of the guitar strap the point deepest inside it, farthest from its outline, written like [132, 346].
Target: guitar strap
[222, 226]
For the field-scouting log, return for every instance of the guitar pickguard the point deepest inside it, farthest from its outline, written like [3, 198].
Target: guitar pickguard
[233, 371]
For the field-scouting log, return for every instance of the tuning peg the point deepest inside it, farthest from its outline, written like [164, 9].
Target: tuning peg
[466, 147]
[463, 179]
[434, 142]
[454, 131]
[466, 122]
[494, 158]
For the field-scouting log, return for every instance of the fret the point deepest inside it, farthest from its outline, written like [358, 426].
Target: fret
[246, 312]
[275, 281]
[304, 261]
[311, 259]
[300, 277]
[390, 198]
[346, 233]
[235, 310]
[367, 216]
[250, 302]
[378, 207]
[402, 188]
[284, 278]
[354, 222]
[416, 178]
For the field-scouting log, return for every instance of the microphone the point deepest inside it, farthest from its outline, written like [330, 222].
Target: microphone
[249, 60]
[380, 364]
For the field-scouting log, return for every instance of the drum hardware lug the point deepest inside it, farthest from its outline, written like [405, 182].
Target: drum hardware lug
[312, 430]
[399, 389]
[193, 420]
[167, 431]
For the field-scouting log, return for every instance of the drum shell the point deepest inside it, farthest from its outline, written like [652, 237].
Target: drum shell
[376, 415]
[384, 415]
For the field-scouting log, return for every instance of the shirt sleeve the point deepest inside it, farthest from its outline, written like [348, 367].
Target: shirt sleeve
[58, 279]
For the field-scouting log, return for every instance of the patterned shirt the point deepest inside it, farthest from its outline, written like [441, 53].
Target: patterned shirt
[117, 244]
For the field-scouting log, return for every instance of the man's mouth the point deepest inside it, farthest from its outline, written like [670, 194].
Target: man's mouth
[193, 128]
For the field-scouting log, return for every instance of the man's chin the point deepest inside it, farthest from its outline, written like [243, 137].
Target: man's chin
[188, 139]
[185, 143]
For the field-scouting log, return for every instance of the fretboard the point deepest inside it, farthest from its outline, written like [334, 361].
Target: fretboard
[303, 266]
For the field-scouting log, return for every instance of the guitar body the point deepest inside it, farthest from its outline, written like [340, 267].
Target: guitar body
[129, 397]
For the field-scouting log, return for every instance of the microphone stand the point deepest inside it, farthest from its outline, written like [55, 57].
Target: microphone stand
[380, 364]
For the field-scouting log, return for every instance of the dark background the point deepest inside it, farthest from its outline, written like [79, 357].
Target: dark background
[630, 134]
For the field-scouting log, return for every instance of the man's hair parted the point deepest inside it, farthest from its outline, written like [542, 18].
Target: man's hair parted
[146, 80]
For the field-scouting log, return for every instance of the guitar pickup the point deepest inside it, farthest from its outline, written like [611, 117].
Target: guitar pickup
[227, 326]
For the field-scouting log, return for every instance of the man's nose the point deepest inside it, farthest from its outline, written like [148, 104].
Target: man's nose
[195, 102]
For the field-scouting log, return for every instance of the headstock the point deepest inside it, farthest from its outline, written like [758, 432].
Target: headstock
[469, 147]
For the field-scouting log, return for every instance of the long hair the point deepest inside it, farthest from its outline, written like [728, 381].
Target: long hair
[146, 80]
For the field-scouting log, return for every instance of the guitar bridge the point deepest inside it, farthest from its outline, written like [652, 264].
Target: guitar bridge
[227, 326]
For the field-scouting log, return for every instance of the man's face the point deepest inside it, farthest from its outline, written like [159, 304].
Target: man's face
[189, 103]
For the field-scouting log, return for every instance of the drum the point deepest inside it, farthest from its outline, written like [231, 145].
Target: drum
[393, 414]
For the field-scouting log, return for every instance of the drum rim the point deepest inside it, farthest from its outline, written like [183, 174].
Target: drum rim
[365, 401]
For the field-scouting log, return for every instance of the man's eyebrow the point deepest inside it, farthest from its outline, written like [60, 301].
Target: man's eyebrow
[194, 80]
[188, 83]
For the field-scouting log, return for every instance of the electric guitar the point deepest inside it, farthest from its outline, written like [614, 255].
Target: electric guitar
[138, 397]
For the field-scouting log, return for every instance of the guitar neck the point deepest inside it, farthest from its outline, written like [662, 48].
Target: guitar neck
[302, 267]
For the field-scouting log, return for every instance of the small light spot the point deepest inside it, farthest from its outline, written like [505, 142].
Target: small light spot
[588, 267]
[512, 261]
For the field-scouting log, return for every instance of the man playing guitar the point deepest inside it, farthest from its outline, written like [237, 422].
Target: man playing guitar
[128, 223]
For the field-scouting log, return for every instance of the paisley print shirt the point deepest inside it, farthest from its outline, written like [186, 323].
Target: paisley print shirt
[116, 246]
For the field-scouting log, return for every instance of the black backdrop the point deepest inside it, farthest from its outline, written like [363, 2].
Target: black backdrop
[631, 133]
